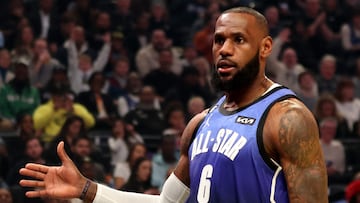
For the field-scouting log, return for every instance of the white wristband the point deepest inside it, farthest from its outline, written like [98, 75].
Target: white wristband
[174, 190]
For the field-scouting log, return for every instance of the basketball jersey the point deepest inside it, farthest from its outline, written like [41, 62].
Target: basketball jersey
[228, 162]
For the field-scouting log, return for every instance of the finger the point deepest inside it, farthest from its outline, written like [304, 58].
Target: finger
[62, 154]
[36, 193]
[31, 173]
[32, 183]
[37, 167]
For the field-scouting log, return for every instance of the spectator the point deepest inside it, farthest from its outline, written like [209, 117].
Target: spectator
[147, 58]
[352, 192]
[83, 151]
[189, 55]
[287, 69]
[5, 73]
[23, 43]
[118, 79]
[51, 116]
[204, 69]
[140, 178]
[100, 105]
[333, 149]
[73, 127]
[188, 87]
[119, 52]
[122, 170]
[308, 89]
[81, 64]
[165, 158]
[101, 27]
[271, 14]
[122, 17]
[350, 36]
[327, 79]
[5, 195]
[162, 78]
[159, 18]
[43, 18]
[120, 140]
[176, 122]
[82, 12]
[195, 105]
[346, 102]
[325, 108]
[147, 119]
[59, 78]
[203, 39]
[18, 96]
[42, 64]
[130, 99]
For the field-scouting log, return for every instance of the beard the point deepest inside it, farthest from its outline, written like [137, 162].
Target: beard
[243, 78]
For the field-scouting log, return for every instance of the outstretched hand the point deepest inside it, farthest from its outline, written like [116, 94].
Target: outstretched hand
[58, 182]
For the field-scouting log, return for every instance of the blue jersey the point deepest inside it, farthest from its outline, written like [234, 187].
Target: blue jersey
[227, 157]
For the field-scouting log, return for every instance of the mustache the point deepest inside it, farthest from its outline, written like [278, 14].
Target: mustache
[225, 62]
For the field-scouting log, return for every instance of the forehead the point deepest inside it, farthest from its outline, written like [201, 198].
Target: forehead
[234, 23]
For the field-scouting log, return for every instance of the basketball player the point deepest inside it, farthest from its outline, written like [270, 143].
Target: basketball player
[258, 143]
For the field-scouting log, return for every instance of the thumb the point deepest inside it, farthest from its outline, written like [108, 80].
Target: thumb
[62, 154]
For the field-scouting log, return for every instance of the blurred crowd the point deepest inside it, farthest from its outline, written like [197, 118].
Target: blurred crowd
[134, 72]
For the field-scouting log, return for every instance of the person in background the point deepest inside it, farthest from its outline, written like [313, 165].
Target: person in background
[73, 127]
[140, 178]
[5, 195]
[347, 103]
[352, 192]
[122, 170]
[51, 116]
[307, 91]
[100, 105]
[118, 79]
[327, 79]
[18, 96]
[195, 105]
[326, 107]
[5, 62]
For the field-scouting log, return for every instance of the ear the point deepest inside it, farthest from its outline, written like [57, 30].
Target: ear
[266, 47]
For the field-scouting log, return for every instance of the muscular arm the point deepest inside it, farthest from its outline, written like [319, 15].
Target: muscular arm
[295, 143]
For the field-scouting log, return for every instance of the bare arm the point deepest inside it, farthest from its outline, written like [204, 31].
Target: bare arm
[296, 140]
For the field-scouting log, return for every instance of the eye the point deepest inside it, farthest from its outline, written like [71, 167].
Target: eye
[239, 40]
[219, 40]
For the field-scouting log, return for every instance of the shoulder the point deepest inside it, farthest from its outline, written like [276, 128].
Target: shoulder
[289, 124]
[190, 130]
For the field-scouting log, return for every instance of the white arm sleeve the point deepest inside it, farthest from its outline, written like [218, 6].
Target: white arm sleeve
[173, 191]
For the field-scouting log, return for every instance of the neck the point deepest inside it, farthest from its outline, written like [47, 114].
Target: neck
[245, 95]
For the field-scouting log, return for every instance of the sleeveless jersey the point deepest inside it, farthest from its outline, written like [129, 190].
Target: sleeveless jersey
[227, 157]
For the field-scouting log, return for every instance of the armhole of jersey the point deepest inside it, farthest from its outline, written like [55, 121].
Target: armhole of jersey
[259, 134]
[195, 130]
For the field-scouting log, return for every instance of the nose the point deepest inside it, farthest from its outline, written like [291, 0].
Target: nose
[227, 49]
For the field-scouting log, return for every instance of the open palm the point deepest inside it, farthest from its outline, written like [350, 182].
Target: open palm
[58, 182]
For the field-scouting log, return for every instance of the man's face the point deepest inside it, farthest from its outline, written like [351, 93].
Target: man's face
[235, 51]
[34, 149]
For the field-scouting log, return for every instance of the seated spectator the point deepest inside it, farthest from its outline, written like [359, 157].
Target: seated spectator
[352, 192]
[59, 78]
[117, 143]
[307, 91]
[100, 105]
[326, 107]
[5, 73]
[41, 64]
[334, 152]
[346, 102]
[147, 58]
[140, 178]
[327, 79]
[23, 43]
[350, 37]
[204, 69]
[165, 158]
[83, 151]
[194, 106]
[33, 154]
[73, 127]
[176, 122]
[17, 97]
[118, 78]
[162, 78]
[5, 195]
[51, 116]
[122, 170]
[147, 119]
